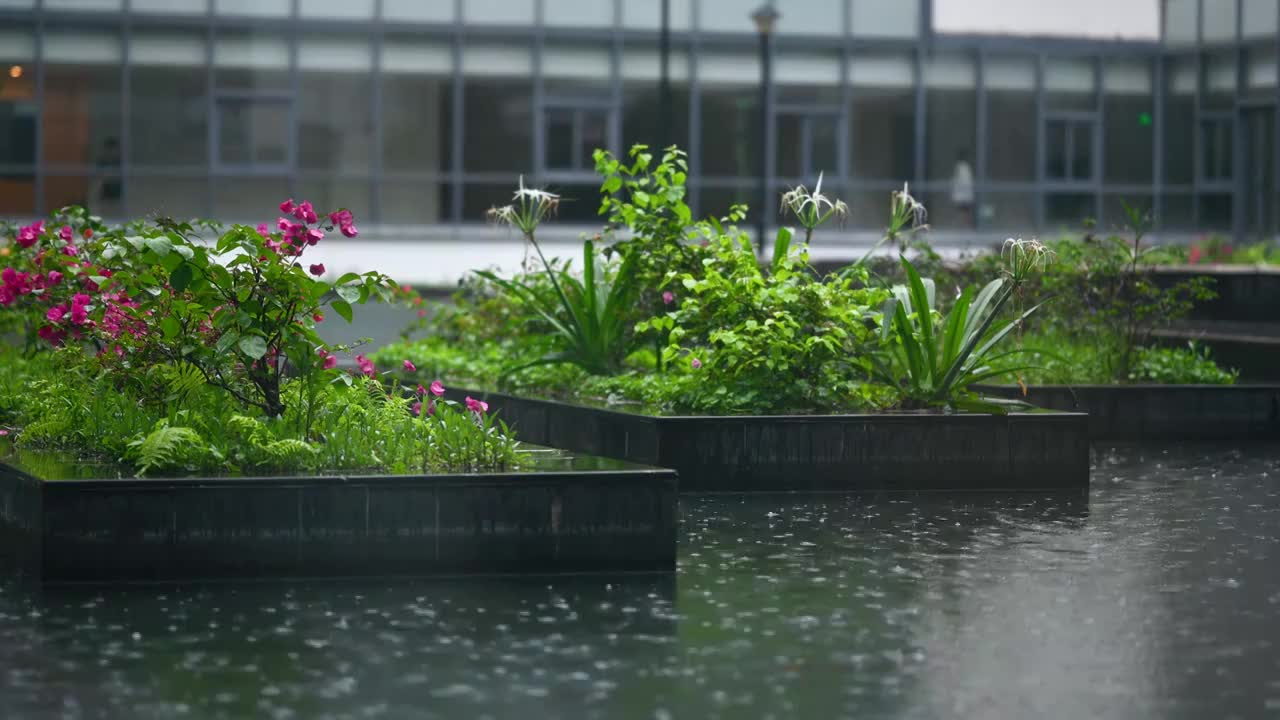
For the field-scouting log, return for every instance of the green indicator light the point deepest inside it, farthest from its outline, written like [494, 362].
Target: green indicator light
[1144, 119]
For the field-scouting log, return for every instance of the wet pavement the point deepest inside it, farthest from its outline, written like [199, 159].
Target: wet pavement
[1155, 597]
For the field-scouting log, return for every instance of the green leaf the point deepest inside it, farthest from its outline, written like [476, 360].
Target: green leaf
[343, 308]
[161, 246]
[225, 342]
[253, 346]
[350, 293]
[180, 278]
[170, 327]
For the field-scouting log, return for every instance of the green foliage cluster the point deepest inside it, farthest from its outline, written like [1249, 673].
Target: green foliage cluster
[1070, 361]
[685, 318]
[155, 346]
[1106, 305]
[74, 408]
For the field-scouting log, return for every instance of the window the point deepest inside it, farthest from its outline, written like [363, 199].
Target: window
[1129, 126]
[1180, 22]
[1218, 81]
[574, 134]
[730, 109]
[1069, 84]
[1215, 150]
[498, 106]
[1069, 149]
[807, 117]
[951, 116]
[885, 18]
[17, 122]
[1220, 21]
[1179, 121]
[882, 117]
[254, 8]
[642, 119]
[1011, 109]
[417, 129]
[335, 124]
[168, 91]
[81, 121]
[168, 125]
[252, 132]
[806, 145]
[1260, 18]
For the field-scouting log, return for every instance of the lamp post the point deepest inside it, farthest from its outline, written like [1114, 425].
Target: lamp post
[765, 17]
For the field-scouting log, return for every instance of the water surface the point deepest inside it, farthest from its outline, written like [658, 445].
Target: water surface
[1155, 597]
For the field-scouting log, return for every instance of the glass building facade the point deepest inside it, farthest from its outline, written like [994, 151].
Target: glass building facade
[421, 113]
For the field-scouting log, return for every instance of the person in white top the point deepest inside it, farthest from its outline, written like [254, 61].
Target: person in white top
[962, 189]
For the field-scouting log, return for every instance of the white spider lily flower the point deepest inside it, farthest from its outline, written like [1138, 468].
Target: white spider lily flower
[530, 207]
[812, 209]
[1022, 257]
[541, 197]
[903, 205]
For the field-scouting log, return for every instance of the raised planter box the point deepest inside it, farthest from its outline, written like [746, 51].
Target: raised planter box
[1164, 412]
[844, 453]
[575, 518]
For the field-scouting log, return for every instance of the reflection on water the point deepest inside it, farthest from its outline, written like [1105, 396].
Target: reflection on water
[1156, 598]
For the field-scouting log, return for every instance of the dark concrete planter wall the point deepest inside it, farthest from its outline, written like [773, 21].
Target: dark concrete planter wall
[863, 453]
[66, 531]
[1246, 294]
[1165, 412]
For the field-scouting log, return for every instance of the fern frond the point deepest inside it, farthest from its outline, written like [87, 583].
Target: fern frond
[165, 447]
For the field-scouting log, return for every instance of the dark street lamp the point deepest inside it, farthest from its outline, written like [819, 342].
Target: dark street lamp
[765, 18]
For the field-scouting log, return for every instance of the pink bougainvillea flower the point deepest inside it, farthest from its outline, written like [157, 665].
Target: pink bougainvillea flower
[70, 250]
[477, 406]
[366, 366]
[318, 317]
[350, 230]
[50, 334]
[410, 366]
[422, 313]
[27, 236]
[340, 217]
[317, 269]
[283, 224]
[80, 300]
[305, 212]
[79, 315]
[416, 408]
[314, 235]
[55, 277]
[437, 388]
[263, 230]
[420, 391]
[330, 362]
[3, 432]
[668, 297]
[431, 407]
[56, 313]
[66, 233]
[695, 363]
[286, 207]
